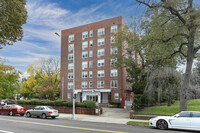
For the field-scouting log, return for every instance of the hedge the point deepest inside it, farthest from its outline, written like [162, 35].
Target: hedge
[66, 103]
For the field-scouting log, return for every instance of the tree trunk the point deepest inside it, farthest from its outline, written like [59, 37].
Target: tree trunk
[186, 81]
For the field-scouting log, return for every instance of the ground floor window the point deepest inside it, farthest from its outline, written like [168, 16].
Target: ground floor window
[92, 98]
[116, 96]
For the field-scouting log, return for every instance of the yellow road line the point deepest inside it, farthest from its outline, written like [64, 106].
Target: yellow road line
[53, 125]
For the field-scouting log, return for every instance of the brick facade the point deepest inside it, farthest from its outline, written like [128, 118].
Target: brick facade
[86, 93]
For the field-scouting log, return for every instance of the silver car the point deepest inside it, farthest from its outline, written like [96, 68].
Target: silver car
[42, 112]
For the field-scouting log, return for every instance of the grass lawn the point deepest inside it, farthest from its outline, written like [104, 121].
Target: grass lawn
[193, 105]
[137, 123]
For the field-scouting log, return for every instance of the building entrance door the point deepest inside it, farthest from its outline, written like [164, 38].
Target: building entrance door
[92, 98]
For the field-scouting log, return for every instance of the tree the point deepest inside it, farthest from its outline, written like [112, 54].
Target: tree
[8, 81]
[44, 80]
[13, 15]
[181, 19]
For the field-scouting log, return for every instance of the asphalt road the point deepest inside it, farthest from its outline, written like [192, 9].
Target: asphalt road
[17, 124]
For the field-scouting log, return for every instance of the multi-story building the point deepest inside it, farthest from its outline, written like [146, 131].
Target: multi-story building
[95, 77]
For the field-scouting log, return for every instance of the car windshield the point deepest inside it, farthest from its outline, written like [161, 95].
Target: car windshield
[49, 107]
[18, 106]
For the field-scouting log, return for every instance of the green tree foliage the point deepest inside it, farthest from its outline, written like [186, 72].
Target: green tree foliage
[8, 81]
[13, 15]
[175, 24]
[44, 80]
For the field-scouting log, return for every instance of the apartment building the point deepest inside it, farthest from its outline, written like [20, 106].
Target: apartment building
[96, 79]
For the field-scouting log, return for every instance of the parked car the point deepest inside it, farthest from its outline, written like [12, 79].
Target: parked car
[12, 109]
[187, 120]
[42, 112]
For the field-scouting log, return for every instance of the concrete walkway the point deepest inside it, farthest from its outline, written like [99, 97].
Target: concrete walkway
[110, 115]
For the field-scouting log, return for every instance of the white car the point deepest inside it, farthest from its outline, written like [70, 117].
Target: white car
[187, 120]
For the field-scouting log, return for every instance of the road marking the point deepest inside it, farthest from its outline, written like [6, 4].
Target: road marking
[5, 131]
[53, 125]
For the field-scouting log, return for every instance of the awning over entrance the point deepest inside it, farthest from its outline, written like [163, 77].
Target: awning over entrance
[92, 90]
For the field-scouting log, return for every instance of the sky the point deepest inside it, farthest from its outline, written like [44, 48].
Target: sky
[45, 17]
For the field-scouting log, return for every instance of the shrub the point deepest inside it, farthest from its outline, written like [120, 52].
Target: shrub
[112, 106]
[89, 104]
[70, 104]
[81, 105]
[117, 104]
[35, 102]
[65, 104]
[58, 102]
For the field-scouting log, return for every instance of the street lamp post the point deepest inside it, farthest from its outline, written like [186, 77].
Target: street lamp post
[73, 113]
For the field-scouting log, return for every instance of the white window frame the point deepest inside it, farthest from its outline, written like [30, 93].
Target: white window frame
[113, 61]
[71, 38]
[84, 84]
[113, 73]
[70, 56]
[91, 43]
[100, 84]
[112, 39]
[90, 74]
[100, 52]
[70, 75]
[113, 50]
[90, 84]
[84, 74]
[91, 33]
[68, 95]
[113, 83]
[70, 85]
[116, 96]
[101, 63]
[100, 42]
[70, 66]
[113, 29]
[101, 31]
[100, 73]
[90, 53]
[84, 64]
[90, 64]
[70, 47]
[84, 45]
[84, 54]
[84, 35]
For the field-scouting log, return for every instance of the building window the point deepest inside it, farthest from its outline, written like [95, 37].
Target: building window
[85, 54]
[91, 43]
[68, 95]
[113, 83]
[116, 96]
[113, 73]
[85, 74]
[84, 64]
[91, 33]
[84, 84]
[113, 50]
[101, 31]
[70, 75]
[70, 85]
[100, 84]
[84, 45]
[100, 73]
[70, 56]
[90, 64]
[91, 53]
[113, 29]
[112, 39]
[100, 63]
[90, 74]
[113, 62]
[90, 84]
[70, 66]
[84, 35]
[71, 38]
[70, 47]
[100, 52]
[101, 42]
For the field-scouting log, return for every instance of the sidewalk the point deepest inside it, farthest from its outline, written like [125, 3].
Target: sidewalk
[101, 119]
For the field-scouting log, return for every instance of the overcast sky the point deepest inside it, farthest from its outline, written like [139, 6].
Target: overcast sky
[45, 17]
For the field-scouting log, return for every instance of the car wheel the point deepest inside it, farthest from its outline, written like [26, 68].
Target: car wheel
[53, 117]
[28, 114]
[162, 124]
[43, 116]
[11, 113]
